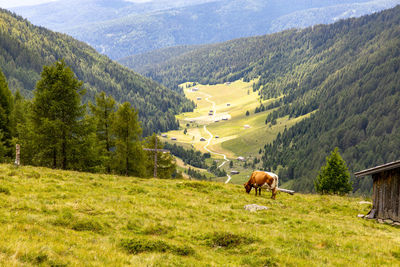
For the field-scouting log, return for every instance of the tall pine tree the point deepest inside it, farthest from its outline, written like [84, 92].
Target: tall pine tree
[57, 116]
[6, 104]
[103, 114]
[129, 156]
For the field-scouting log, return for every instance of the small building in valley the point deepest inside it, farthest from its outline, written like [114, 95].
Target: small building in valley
[241, 158]
[234, 172]
[202, 139]
[386, 191]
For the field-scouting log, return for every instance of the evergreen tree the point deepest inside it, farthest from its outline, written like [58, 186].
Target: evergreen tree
[57, 116]
[166, 165]
[129, 156]
[334, 177]
[23, 129]
[103, 114]
[6, 106]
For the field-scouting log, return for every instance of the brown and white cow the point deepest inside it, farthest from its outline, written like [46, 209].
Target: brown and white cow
[261, 179]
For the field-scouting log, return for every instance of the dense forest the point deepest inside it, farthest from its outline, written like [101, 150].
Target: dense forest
[55, 129]
[346, 75]
[25, 49]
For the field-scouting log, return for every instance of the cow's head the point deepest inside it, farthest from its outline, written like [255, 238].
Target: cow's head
[247, 186]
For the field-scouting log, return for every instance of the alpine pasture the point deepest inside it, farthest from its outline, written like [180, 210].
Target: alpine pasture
[64, 218]
[229, 103]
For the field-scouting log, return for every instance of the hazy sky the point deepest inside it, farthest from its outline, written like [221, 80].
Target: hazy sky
[14, 3]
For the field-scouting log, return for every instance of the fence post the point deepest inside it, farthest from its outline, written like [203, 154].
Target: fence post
[155, 159]
[17, 154]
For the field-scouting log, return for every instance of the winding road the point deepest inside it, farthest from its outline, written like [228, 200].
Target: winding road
[212, 136]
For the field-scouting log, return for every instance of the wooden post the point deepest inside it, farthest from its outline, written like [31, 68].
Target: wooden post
[155, 158]
[17, 154]
[155, 150]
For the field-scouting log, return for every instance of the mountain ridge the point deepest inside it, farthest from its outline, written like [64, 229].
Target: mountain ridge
[140, 28]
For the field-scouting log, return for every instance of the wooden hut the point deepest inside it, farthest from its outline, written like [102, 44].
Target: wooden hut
[386, 190]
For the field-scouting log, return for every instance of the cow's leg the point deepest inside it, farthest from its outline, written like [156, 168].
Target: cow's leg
[259, 191]
[256, 189]
[274, 193]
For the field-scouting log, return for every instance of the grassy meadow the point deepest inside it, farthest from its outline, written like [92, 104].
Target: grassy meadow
[231, 100]
[64, 218]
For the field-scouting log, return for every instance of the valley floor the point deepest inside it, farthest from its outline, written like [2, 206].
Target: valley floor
[64, 218]
[219, 125]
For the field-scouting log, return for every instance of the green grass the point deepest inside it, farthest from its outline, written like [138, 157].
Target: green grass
[234, 140]
[63, 218]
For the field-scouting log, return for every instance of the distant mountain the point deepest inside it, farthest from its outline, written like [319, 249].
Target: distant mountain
[142, 63]
[119, 28]
[346, 76]
[25, 48]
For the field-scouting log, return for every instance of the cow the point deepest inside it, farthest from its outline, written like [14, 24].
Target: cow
[261, 179]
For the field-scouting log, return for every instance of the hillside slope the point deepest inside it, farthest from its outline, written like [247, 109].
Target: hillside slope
[347, 73]
[50, 217]
[119, 28]
[25, 48]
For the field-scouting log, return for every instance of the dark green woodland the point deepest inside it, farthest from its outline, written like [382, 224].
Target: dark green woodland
[25, 49]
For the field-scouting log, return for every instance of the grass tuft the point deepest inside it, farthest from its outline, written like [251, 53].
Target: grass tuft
[157, 229]
[227, 240]
[88, 225]
[4, 190]
[136, 246]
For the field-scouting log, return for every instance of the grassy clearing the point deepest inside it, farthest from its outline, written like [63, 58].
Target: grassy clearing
[60, 218]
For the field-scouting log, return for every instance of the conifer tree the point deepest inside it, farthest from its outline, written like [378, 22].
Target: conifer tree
[129, 156]
[103, 114]
[57, 116]
[334, 177]
[22, 128]
[5, 113]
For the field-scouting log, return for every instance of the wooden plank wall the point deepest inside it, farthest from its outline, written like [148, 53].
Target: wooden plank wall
[386, 196]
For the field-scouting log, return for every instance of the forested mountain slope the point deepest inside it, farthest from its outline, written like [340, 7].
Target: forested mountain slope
[141, 63]
[346, 73]
[120, 28]
[25, 48]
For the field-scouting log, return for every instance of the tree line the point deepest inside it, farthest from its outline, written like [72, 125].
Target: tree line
[25, 49]
[55, 129]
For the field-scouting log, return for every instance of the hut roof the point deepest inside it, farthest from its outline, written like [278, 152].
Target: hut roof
[381, 168]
